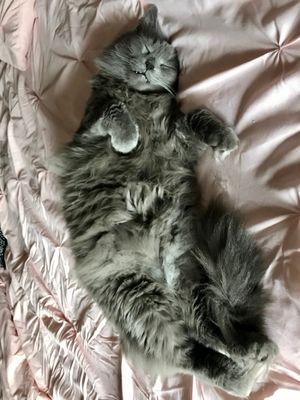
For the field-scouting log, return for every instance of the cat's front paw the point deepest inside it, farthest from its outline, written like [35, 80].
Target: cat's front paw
[223, 141]
[118, 123]
[212, 131]
[126, 139]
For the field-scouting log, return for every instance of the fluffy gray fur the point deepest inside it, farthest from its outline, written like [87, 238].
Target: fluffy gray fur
[182, 285]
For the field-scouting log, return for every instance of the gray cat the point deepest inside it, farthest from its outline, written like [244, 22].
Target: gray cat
[182, 285]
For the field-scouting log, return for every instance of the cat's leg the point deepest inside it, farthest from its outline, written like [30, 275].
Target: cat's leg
[117, 122]
[212, 131]
[192, 357]
[149, 318]
[143, 310]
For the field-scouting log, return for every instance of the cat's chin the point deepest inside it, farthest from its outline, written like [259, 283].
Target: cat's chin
[143, 83]
[147, 87]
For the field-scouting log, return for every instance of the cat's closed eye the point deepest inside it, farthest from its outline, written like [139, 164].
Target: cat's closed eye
[146, 50]
[166, 67]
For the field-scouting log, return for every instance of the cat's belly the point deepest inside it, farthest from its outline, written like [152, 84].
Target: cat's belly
[141, 247]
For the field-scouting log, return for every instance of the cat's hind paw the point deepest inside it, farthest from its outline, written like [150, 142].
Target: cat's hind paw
[142, 198]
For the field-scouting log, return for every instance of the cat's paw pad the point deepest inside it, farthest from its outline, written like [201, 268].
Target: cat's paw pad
[223, 142]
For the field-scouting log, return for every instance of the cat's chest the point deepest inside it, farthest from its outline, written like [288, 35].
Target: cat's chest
[159, 118]
[152, 119]
[148, 111]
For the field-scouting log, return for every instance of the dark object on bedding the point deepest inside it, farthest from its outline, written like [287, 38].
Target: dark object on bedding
[3, 244]
[182, 285]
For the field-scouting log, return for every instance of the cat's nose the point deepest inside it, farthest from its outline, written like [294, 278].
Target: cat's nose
[150, 64]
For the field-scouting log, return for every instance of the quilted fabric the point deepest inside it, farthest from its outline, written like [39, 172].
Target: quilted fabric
[16, 23]
[239, 58]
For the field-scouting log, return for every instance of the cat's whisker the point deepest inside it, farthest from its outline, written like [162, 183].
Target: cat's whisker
[163, 85]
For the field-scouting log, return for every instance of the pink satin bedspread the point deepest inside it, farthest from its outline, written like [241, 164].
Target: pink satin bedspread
[241, 59]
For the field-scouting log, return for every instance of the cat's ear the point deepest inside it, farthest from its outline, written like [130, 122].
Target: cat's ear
[149, 24]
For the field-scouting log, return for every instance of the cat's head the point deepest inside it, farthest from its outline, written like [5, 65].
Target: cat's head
[143, 59]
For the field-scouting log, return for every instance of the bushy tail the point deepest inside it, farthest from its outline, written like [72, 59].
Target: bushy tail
[234, 268]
